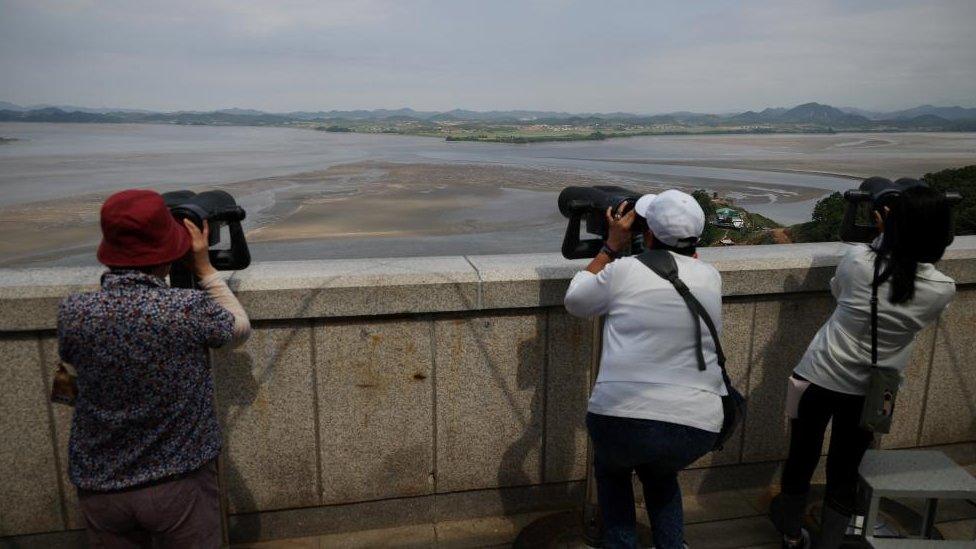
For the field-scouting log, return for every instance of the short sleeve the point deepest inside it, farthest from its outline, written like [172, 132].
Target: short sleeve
[213, 324]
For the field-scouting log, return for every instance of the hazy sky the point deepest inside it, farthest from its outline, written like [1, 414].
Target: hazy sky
[637, 56]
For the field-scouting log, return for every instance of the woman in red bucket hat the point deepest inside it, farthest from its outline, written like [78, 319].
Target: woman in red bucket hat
[144, 435]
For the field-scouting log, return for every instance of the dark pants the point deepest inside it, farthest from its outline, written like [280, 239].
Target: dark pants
[656, 451]
[848, 442]
[181, 512]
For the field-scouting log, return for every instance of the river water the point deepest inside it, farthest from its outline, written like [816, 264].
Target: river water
[58, 161]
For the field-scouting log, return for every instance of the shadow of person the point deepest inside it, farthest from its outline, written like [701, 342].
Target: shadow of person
[783, 326]
[522, 463]
[236, 388]
[564, 391]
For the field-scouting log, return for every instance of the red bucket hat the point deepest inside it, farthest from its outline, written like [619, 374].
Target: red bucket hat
[138, 230]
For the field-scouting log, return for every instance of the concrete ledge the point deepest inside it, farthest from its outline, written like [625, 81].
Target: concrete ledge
[387, 392]
[392, 286]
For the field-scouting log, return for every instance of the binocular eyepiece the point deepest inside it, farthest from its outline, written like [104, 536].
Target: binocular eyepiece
[219, 209]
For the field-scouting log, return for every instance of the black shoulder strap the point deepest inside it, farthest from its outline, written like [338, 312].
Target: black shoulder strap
[662, 263]
[874, 309]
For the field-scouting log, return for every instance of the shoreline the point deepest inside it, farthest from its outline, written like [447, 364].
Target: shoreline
[370, 200]
[316, 198]
[529, 138]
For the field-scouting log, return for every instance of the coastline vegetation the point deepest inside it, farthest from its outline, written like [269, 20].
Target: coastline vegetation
[525, 127]
[828, 215]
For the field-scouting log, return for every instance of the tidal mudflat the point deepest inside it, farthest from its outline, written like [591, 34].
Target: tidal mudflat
[315, 195]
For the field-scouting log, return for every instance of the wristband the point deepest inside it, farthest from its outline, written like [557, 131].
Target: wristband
[610, 252]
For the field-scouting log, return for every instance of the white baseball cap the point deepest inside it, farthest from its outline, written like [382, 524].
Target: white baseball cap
[674, 217]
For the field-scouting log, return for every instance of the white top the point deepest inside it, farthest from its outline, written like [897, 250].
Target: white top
[648, 367]
[839, 356]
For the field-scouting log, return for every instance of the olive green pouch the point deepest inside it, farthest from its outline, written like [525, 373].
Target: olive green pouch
[879, 402]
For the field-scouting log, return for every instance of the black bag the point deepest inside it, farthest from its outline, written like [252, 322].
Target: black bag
[733, 404]
[879, 401]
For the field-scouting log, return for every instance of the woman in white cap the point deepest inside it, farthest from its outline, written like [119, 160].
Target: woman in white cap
[652, 410]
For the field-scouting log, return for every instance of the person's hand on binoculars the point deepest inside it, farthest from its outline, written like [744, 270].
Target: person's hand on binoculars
[199, 258]
[619, 224]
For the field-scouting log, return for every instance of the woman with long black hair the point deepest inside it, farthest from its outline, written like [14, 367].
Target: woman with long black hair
[832, 378]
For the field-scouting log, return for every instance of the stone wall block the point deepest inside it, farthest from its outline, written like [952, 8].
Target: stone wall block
[783, 330]
[524, 280]
[357, 287]
[490, 392]
[29, 495]
[950, 410]
[375, 398]
[266, 410]
[62, 430]
[570, 348]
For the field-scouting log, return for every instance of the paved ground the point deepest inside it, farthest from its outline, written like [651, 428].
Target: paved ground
[720, 520]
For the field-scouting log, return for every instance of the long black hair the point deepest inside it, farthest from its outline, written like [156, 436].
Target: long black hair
[917, 229]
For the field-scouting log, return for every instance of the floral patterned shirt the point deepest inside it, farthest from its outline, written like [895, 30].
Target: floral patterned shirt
[145, 393]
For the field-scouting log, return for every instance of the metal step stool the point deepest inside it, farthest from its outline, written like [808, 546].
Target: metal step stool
[924, 474]
[891, 543]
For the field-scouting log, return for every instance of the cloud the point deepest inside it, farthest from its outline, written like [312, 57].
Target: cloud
[559, 54]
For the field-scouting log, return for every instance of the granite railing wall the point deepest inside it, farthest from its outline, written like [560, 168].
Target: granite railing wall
[392, 391]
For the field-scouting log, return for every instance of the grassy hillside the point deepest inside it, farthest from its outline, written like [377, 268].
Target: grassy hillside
[828, 215]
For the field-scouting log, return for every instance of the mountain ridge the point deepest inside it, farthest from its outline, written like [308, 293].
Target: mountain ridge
[811, 111]
[475, 125]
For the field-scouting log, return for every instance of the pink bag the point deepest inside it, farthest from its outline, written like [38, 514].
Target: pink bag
[794, 392]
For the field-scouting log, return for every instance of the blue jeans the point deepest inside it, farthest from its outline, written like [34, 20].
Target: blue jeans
[657, 451]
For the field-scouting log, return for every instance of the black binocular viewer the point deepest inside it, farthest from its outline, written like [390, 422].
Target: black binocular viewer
[589, 205]
[219, 210]
[874, 194]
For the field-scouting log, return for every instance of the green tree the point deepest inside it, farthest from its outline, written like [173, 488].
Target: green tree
[711, 234]
[705, 201]
[963, 181]
[828, 215]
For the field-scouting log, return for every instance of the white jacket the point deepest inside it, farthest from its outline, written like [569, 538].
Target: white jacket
[649, 334]
[839, 356]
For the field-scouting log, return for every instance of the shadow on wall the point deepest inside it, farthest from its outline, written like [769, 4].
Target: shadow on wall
[782, 330]
[534, 356]
[529, 376]
[551, 432]
[956, 363]
[237, 389]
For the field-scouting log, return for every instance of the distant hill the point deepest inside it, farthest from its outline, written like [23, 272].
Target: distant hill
[815, 113]
[948, 113]
[806, 114]
[815, 117]
[766, 116]
[871, 115]
[240, 112]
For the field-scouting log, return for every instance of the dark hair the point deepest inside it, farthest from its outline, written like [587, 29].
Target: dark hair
[916, 230]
